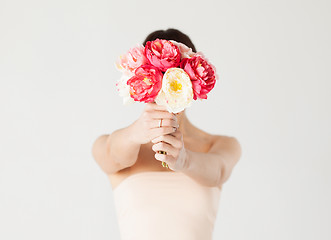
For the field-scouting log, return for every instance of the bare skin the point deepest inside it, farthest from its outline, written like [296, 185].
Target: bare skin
[135, 149]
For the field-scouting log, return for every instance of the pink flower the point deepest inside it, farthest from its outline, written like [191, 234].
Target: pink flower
[145, 84]
[133, 59]
[162, 54]
[202, 73]
[185, 51]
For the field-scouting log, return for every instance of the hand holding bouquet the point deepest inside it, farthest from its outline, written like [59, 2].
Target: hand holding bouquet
[165, 72]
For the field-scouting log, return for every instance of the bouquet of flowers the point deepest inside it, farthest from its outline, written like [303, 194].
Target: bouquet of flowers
[166, 72]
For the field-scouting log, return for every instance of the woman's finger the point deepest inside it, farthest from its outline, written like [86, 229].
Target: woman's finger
[170, 160]
[170, 139]
[162, 146]
[155, 132]
[177, 134]
[164, 123]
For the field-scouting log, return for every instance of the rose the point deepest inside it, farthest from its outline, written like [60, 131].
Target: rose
[185, 51]
[145, 84]
[176, 92]
[133, 59]
[162, 54]
[202, 73]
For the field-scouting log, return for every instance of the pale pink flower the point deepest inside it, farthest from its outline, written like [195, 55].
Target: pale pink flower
[185, 51]
[133, 59]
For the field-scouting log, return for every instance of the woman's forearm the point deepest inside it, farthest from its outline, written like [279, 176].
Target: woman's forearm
[120, 149]
[215, 167]
[117, 150]
[123, 147]
[205, 168]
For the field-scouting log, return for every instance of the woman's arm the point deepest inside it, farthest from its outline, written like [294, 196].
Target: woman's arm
[215, 167]
[120, 149]
[209, 169]
[116, 151]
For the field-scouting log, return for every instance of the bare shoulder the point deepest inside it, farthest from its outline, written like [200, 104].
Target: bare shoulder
[226, 145]
[218, 140]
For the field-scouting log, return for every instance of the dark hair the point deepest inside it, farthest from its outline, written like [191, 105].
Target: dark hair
[170, 34]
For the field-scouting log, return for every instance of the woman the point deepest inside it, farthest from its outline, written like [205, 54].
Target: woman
[179, 201]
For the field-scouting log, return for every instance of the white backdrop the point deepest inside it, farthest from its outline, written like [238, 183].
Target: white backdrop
[57, 95]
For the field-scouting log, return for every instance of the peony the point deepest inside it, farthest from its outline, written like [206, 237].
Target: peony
[145, 84]
[124, 90]
[202, 73]
[133, 59]
[176, 92]
[185, 51]
[162, 54]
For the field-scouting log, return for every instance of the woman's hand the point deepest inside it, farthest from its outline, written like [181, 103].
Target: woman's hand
[147, 126]
[173, 145]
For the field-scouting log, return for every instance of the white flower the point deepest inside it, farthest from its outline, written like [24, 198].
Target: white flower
[185, 51]
[176, 92]
[124, 90]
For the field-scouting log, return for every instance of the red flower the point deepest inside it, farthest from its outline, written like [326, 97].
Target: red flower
[162, 54]
[145, 84]
[202, 74]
